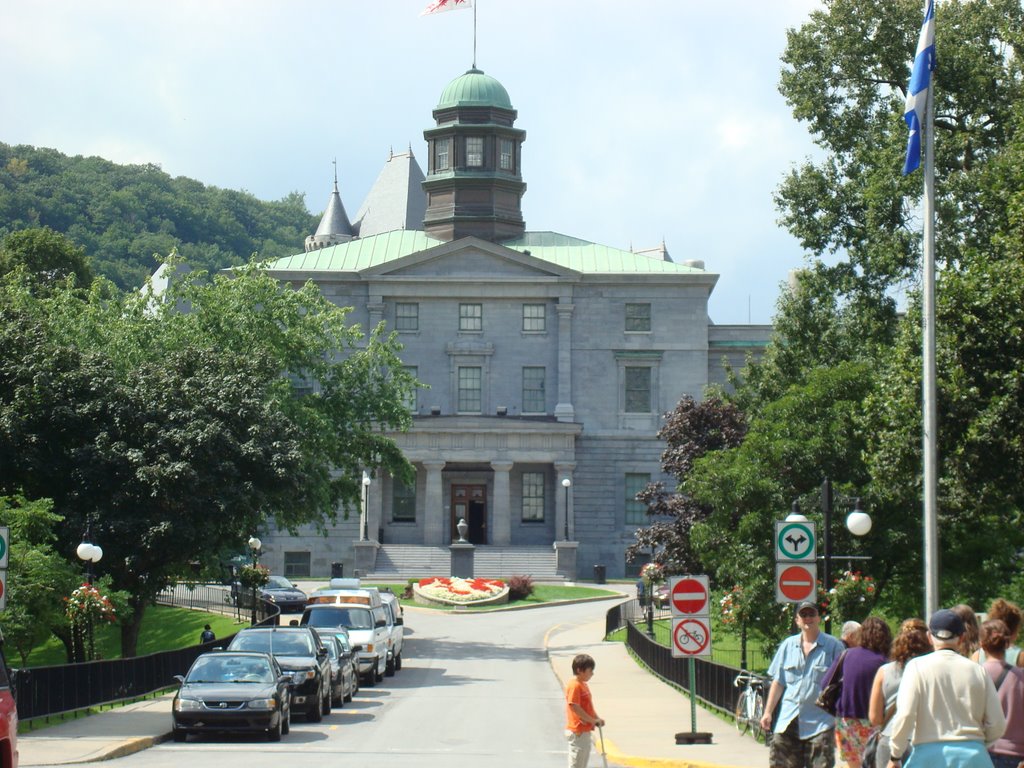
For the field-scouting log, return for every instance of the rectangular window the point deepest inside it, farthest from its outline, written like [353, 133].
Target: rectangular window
[441, 154]
[533, 389]
[534, 317]
[296, 565]
[407, 317]
[638, 389]
[413, 403]
[403, 502]
[505, 157]
[475, 151]
[638, 318]
[533, 496]
[471, 317]
[636, 511]
[469, 390]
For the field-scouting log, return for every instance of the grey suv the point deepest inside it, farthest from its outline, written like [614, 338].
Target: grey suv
[301, 654]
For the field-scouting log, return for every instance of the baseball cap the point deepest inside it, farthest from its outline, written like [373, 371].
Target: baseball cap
[806, 605]
[945, 625]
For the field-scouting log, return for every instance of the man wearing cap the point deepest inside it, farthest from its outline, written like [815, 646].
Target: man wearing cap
[947, 704]
[804, 733]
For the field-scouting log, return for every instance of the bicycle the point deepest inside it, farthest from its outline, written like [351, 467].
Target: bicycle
[750, 705]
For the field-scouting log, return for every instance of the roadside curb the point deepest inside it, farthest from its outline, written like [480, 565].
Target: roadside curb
[131, 746]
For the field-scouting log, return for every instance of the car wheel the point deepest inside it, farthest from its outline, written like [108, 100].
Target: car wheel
[325, 703]
[274, 734]
[315, 713]
[351, 690]
[180, 736]
[389, 668]
[398, 662]
[286, 720]
[339, 700]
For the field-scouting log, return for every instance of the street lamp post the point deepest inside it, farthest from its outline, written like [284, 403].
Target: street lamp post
[254, 546]
[89, 553]
[858, 522]
[566, 483]
[363, 533]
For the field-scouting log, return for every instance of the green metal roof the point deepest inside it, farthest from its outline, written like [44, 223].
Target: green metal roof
[569, 252]
[474, 89]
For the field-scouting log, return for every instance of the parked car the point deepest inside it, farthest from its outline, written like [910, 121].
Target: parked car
[230, 691]
[302, 654]
[367, 627]
[8, 716]
[343, 674]
[287, 597]
[396, 631]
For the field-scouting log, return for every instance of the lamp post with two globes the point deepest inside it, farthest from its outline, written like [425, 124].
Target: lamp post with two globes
[90, 554]
[566, 483]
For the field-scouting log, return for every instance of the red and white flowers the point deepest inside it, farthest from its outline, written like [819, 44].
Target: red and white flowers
[456, 590]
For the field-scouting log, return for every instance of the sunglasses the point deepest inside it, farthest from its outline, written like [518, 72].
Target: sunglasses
[808, 614]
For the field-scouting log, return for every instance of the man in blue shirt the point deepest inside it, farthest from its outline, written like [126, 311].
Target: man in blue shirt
[804, 733]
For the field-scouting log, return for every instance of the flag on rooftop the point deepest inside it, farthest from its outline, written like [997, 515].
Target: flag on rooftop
[437, 6]
[917, 91]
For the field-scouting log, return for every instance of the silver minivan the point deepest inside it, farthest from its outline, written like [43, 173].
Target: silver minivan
[367, 626]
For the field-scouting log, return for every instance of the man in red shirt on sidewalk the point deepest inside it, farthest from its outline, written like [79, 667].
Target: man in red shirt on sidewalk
[580, 717]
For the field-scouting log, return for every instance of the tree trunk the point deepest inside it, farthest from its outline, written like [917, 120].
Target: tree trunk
[130, 629]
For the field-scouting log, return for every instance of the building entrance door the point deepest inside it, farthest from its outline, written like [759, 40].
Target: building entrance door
[469, 503]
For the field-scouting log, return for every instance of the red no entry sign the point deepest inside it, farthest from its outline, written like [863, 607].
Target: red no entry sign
[691, 637]
[794, 583]
[689, 595]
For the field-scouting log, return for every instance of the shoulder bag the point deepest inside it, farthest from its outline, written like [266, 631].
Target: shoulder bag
[829, 696]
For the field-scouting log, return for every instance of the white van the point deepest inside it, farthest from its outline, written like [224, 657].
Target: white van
[396, 625]
[361, 612]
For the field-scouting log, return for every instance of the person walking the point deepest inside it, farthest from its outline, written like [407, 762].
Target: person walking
[860, 664]
[1008, 751]
[580, 716]
[849, 633]
[911, 641]
[947, 703]
[803, 731]
[207, 635]
[1011, 616]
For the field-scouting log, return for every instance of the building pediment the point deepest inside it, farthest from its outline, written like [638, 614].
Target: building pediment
[471, 258]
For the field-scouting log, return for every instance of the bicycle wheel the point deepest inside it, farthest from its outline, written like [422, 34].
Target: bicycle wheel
[742, 721]
[759, 733]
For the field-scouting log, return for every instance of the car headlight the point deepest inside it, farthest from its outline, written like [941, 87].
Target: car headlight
[187, 705]
[301, 675]
[262, 704]
[368, 648]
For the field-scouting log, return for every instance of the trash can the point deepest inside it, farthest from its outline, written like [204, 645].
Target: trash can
[337, 570]
[599, 574]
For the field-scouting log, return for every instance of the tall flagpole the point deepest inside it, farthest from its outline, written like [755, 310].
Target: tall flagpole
[474, 35]
[931, 420]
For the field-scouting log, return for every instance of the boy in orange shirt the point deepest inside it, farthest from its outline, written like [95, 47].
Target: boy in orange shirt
[580, 717]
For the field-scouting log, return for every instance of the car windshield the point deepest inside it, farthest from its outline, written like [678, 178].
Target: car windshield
[279, 582]
[350, 617]
[224, 668]
[276, 643]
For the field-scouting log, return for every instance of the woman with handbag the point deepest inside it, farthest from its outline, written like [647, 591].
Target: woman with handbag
[860, 664]
[912, 641]
[1008, 751]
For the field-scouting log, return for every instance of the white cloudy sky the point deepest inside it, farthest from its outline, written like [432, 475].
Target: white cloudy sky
[646, 120]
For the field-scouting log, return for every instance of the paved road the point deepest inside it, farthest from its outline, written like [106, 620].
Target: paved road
[474, 690]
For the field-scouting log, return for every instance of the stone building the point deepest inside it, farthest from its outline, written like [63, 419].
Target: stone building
[550, 361]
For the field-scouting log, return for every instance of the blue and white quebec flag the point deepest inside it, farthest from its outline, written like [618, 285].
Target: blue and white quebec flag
[917, 92]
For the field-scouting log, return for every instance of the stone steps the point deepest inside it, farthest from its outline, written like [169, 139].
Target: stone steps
[401, 562]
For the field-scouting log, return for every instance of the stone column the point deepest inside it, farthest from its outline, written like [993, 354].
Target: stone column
[502, 529]
[374, 508]
[434, 528]
[563, 409]
[562, 471]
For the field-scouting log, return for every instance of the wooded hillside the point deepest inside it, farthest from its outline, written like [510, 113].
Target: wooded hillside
[124, 214]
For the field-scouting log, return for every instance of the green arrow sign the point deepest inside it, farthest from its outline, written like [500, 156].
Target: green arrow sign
[794, 541]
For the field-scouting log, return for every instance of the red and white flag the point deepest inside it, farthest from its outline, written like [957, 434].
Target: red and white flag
[436, 6]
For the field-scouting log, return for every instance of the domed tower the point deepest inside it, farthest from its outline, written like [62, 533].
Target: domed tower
[474, 180]
[334, 226]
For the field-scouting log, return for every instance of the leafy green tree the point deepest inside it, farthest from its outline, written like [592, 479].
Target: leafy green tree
[173, 435]
[47, 256]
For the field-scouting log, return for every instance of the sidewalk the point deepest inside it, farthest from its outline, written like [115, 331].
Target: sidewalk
[643, 714]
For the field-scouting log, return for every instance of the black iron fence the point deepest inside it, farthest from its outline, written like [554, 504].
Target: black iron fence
[712, 683]
[41, 691]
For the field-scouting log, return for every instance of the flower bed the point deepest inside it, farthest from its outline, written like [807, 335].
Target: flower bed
[456, 591]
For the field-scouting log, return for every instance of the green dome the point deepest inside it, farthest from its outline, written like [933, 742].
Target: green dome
[474, 89]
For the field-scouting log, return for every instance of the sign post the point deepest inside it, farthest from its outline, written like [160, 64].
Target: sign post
[690, 598]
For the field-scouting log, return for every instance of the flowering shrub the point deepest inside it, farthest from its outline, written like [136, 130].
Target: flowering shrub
[461, 590]
[652, 573]
[731, 605]
[852, 597]
[253, 576]
[520, 587]
[85, 603]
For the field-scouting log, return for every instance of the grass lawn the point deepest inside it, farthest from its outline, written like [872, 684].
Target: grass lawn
[163, 628]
